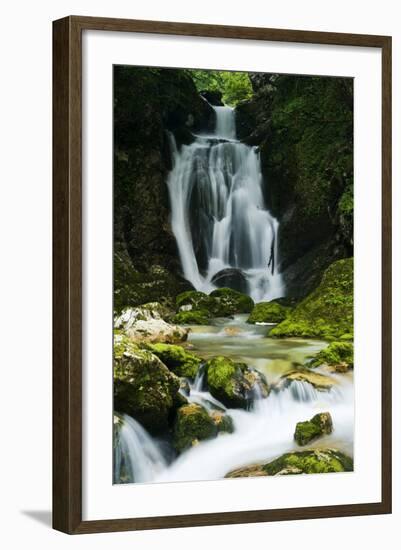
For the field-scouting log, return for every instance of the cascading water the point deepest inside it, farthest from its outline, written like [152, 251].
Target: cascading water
[137, 457]
[218, 214]
[261, 433]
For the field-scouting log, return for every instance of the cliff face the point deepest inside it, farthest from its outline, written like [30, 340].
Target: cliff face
[148, 101]
[304, 129]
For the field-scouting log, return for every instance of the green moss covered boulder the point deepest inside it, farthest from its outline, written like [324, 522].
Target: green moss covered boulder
[227, 301]
[234, 384]
[321, 424]
[339, 356]
[192, 317]
[193, 299]
[144, 387]
[328, 311]
[310, 462]
[223, 422]
[316, 461]
[177, 359]
[192, 424]
[268, 312]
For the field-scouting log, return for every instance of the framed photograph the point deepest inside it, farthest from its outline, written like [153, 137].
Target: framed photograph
[222, 274]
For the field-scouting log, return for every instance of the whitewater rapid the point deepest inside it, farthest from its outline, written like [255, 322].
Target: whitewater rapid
[261, 433]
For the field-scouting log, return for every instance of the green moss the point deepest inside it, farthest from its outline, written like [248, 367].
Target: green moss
[192, 317]
[194, 298]
[328, 311]
[192, 424]
[177, 359]
[224, 422]
[310, 462]
[228, 302]
[320, 424]
[233, 383]
[268, 312]
[199, 306]
[144, 387]
[336, 354]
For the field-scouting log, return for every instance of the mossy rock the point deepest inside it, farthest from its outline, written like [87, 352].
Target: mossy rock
[144, 387]
[319, 381]
[268, 312]
[227, 301]
[321, 424]
[195, 299]
[224, 423]
[338, 355]
[316, 461]
[177, 359]
[192, 424]
[234, 384]
[192, 317]
[328, 311]
[310, 462]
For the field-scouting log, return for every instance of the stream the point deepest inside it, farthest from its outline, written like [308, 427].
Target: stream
[261, 433]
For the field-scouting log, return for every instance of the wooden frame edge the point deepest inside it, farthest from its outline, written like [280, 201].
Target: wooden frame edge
[67, 275]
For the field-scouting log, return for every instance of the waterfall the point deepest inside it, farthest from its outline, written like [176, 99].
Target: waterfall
[137, 457]
[218, 215]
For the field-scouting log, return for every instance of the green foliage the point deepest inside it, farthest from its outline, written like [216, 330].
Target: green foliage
[177, 359]
[320, 424]
[235, 86]
[268, 312]
[328, 311]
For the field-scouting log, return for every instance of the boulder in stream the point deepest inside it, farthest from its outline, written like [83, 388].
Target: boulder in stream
[316, 461]
[321, 424]
[177, 359]
[234, 384]
[145, 324]
[268, 312]
[231, 277]
[192, 424]
[144, 387]
[338, 356]
[227, 301]
[319, 381]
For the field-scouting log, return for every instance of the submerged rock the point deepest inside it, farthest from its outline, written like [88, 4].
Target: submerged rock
[328, 311]
[144, 388]
[234, 384]
[268, 312]
[316, 461]
[177, 359]
[319, 381]
[338, 356]
[321, 424]
[193, 424]
[145, 324]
